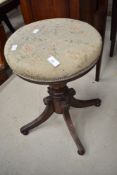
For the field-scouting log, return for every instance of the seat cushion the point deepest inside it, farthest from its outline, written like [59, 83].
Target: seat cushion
[1, 1]
[74, 44]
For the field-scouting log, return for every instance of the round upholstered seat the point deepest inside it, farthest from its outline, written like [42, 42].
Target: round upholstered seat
[1, 1]
[74, 44]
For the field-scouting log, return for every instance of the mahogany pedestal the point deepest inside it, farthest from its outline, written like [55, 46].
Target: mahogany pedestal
[59, 100]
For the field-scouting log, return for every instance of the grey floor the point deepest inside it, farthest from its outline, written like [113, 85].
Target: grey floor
[49, 149]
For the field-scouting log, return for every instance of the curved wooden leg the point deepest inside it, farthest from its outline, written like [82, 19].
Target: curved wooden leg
[73, 133]
[84, 103]
[42, 118]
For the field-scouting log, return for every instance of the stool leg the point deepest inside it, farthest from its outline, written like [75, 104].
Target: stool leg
[113, 40]
[42, 118]
[112, 20]
[98, 68]
[9, 25]
[73, 133]
[84, 103]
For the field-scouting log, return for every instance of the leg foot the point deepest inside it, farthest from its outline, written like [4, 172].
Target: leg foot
[42, 118]
[84, 103]
[81, 152]
[24, 132]
[98, 102]
[73, 133]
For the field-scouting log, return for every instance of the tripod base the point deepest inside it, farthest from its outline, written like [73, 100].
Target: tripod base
[59, 100]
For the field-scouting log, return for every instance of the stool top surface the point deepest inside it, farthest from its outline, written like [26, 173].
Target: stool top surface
[53, 50]
[1, 1]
